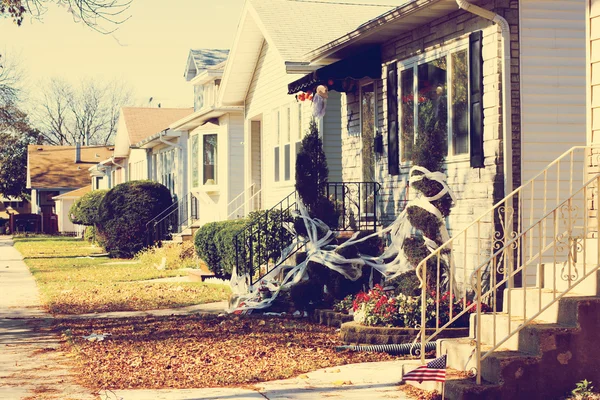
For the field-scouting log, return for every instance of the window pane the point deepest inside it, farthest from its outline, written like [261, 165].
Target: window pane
[276, 164]
[433, 100]
[286, 162]
[460, 108]
[367, 118]
[277, 123]
[210, 159]
[195, 163]
[407, 110]
[198, 97]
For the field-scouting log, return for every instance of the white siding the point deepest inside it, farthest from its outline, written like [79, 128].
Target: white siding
[553, 65]
[235, 157]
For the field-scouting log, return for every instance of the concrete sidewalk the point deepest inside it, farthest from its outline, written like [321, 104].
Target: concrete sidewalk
[31, 362]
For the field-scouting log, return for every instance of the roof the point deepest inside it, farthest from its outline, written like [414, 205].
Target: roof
[142, 122]
[404, 18]
[292, 28]
[52, 167]
[296, 27]
[74, 194]
[201, 59]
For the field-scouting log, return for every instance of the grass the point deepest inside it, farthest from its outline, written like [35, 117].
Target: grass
[71, 281]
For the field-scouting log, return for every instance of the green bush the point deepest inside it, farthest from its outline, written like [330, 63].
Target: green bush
[89, 234]
[215, 245]
[84, 210]
[124, 213]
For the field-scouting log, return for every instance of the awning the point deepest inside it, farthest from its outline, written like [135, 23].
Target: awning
[337, 76]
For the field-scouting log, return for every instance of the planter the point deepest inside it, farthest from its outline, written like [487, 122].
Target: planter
[331, 318]
[354, 333]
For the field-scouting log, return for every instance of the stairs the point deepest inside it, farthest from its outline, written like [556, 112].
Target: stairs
[546, 357]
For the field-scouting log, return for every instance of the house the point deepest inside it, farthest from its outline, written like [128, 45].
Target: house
[503, 69]
[55, 170]
[215, 140]
[63, 205]
[267, 54]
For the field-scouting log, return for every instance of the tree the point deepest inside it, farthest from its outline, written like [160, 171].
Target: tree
[87, 113]
[15, 134]
[100, 15]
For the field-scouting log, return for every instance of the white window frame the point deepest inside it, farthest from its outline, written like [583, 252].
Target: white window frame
[201, 160]
[375, 118]
[414, 62]
[281, 126]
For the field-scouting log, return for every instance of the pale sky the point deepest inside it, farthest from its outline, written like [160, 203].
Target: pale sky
[153, 49]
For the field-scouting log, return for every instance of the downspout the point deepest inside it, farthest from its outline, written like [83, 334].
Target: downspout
[506, 88]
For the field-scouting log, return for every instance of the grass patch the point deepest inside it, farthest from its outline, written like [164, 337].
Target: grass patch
[72, 282]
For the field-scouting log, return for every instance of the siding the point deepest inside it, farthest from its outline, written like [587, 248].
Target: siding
[593, 98]
[553, 101]
[235, 157]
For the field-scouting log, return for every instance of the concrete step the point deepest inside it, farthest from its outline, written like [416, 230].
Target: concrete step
[502, 365]
[494, 329]
[555, 277]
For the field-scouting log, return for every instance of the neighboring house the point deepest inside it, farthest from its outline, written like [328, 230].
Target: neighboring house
[13, 205]
[433, 52]
[63, 205]
[215, 176]
[55, 170]
[145, 148]
[272, 38]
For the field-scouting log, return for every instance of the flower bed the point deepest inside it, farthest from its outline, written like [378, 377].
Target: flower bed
[331, 318]
[355, 333]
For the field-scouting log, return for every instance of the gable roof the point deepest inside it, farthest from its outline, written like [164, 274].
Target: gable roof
[293, 28]
[142, 122]
[74, 194]
[202, 59]
[53, 167]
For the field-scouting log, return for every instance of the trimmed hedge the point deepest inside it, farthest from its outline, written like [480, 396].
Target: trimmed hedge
[215, 246]
[84, 210]
[124, 213]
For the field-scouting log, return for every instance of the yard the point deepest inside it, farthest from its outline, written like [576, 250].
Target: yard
[73, 279]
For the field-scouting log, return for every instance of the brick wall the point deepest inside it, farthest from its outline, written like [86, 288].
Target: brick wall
[477, 189]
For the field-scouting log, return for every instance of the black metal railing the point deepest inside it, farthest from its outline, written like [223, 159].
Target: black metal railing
[173, 220]
[260, 244]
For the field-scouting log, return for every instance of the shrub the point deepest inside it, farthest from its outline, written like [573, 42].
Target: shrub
[267, 225]
[215, 245]
[124, 213]
[85, 210]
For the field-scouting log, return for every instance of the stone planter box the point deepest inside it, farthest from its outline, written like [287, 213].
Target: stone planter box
[331, 318]
[354, 333]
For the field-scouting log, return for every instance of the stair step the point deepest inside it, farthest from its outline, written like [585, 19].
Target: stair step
[554, 277]
[502, 365]
[467, 389]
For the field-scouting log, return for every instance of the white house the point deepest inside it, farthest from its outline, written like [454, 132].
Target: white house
[267, 54]
[63, 205]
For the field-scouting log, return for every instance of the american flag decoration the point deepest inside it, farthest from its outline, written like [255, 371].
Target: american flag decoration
[432, 371]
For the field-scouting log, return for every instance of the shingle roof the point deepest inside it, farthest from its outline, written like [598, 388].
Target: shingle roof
[142, 122]
[204, 58]
[54, 166]
[298, 26]
[75, 194]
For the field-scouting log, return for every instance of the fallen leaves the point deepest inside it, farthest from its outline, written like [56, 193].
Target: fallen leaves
[202, 351]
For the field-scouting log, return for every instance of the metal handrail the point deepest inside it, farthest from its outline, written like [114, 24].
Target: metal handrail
[173, 220]
[246, 204]
[238, 197]
[356, 203]
[511, 244]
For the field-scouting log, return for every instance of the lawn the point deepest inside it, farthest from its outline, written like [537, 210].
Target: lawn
[201, 351]
[73, 279]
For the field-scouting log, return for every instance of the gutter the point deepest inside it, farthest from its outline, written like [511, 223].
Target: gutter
[506, 90]
[160, 138]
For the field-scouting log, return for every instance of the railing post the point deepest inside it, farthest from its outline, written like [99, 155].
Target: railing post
[478, 327]
[423, 311]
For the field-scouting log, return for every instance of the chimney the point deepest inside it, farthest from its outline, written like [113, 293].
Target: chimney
[77, 152]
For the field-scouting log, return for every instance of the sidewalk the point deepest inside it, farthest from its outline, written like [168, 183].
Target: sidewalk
[30, 363]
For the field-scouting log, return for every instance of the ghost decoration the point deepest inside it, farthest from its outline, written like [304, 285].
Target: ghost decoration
[320, 101]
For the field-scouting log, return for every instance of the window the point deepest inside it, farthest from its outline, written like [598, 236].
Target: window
[367, 124]
[434, 93]
[195, 161]
[198, 97]
[209, 152]
[277, 130]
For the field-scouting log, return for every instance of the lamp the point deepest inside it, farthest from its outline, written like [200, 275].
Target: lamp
[210, 182]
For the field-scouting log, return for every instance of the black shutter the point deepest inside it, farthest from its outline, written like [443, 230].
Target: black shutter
[476, 98]
[392, 108]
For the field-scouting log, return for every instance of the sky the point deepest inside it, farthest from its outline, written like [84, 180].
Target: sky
[147, 52]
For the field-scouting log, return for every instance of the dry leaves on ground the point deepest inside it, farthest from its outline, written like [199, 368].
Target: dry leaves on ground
[201, 351]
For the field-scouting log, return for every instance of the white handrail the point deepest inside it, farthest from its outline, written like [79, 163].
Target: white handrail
[246, 205]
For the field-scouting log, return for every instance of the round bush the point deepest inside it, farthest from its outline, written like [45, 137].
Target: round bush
[124, 213]
[84, 210]
[215, 245]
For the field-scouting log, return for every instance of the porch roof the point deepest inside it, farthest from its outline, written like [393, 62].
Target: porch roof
[202, 116]
[367, 64]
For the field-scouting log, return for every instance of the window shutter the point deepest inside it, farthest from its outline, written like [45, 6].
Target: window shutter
[392, 107]
[476, 98]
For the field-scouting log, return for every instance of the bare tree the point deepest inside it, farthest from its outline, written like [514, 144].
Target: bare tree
[10, 76]
[101, 15]
[86, 114]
